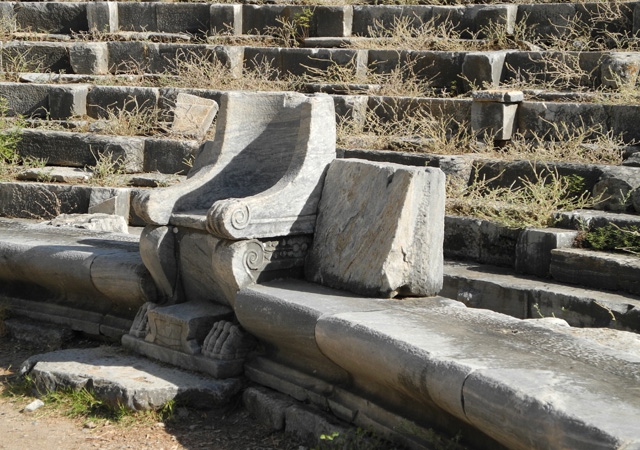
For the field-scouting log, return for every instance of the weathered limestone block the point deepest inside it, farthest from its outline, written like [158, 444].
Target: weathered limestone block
[380, 230]
[533, 250]
[547, 20]
[614, 190]
[483, 68]
[226, 19]
[270, 149]
[31, 100]
[190, 18]
[102, 17]
[68, 101]
[83, 149]
[620, 69]
[102, 99]
[267, 406]
[89, 58]
[493, 113]
[492, 16]
[51, 17]
[169, 156]
[36, 56]
[110, 201]
[600, 270]
[334, 21]
[135, 16]
[539, 117]
[55, 174]
[193, 115]
[123, 380]
[130, 56]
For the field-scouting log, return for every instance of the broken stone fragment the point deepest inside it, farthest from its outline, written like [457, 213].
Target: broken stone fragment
[193, 115]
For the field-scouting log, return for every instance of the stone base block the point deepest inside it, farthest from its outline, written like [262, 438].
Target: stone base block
[533, 250]
[184, 326]
[216, 368]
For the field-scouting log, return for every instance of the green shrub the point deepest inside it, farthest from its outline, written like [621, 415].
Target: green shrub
[613, 238]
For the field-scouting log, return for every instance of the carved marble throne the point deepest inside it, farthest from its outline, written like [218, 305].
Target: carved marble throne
[245, 214]
[249, 193]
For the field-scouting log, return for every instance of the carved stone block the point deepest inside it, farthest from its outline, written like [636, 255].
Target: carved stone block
[184, 326]
[380, 230]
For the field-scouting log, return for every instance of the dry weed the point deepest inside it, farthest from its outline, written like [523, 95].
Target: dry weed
[132, 119]
[206, 71]
[532, 203]
[388, 127]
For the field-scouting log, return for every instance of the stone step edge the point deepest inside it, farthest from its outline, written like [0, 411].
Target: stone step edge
[376, 343]
[502, 290]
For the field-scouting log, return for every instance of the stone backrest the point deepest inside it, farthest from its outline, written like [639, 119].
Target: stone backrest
[380, 230]
[261, 176]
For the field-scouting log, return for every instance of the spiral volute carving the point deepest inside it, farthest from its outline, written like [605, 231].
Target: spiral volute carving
[254, 256]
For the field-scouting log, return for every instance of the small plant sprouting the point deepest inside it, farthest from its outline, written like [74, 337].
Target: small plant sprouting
[106, 169]
[612, 237]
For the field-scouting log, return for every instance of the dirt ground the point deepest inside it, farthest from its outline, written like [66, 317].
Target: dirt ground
[231, 428]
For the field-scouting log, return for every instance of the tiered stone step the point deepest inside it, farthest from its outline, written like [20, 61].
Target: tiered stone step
[503, 290]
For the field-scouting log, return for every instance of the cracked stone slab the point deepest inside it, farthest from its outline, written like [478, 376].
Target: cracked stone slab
[118, 378]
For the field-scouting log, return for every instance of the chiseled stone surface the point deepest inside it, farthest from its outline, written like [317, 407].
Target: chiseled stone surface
[131, 381]
[599, 270]
[193, 115]
[93, 222]
[380, 230]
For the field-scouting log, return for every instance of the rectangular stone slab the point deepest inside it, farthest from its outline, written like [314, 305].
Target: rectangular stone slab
[380, 230]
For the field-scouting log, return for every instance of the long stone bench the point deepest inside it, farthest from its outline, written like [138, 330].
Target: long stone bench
[88, 281]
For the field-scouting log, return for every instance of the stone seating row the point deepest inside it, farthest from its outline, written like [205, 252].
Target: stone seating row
[339, 21]
[456, 71]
